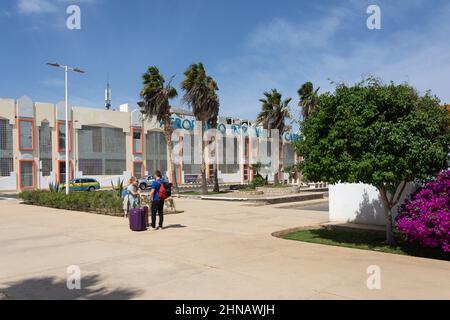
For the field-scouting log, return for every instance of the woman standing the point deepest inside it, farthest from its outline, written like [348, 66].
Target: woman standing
[131, 200]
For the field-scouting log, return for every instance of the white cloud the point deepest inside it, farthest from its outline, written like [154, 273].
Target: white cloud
[36, 6]
[285, 54]
[45, 6]
[282, 33]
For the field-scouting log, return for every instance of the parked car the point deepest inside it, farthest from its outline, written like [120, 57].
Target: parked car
[82, 185]
[146, 182]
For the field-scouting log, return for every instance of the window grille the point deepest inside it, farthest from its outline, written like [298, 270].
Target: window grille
[115, 167]
[156, 149]
[289, 155]
[137, 169]
[137, 140]
[6, 149]
[101, 151]
[26, 174]
[91, 166]
[229, 156]
[26, 135]
[46, 167]
[45, 149]
[62, 136]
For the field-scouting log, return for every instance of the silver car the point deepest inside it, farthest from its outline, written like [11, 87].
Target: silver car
[146, 182]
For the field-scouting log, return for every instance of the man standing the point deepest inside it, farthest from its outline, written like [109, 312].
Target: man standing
[157, 196]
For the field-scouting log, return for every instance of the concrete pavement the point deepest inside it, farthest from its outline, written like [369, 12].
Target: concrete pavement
[214, 250]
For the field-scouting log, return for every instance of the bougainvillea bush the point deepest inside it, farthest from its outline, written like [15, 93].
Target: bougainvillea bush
[425, 217]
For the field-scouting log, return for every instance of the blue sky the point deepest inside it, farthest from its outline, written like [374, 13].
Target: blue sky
[249, 46]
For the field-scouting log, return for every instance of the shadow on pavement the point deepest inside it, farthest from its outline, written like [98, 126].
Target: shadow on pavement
[51, 288]
[175, 226]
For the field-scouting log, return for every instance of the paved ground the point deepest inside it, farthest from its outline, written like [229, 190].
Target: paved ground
[215, 250]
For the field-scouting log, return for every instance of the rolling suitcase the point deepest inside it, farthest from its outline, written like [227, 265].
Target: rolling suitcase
[138, 220]
[146, 213]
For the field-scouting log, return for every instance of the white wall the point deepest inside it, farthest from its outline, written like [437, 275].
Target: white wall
[9, 183]
[44, 182]
[230, 177]
[358, 203]
[105, 181]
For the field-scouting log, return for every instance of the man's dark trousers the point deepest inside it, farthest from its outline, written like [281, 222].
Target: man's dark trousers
[158, 207]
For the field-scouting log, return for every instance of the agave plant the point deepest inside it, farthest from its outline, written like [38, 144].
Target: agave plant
[118, 188]
[54, 187]
[170, 204]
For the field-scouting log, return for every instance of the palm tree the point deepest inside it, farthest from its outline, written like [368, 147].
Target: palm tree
[274, 112]
[156, 96]
[308, 99]
[214, 106]
[200, 94]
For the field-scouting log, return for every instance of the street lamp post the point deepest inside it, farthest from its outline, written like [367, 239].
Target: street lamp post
[67, 142]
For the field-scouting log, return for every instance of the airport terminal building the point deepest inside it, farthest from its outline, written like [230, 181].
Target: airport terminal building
[108, 145]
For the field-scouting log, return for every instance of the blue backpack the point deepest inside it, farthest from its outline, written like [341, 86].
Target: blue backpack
[124, 193]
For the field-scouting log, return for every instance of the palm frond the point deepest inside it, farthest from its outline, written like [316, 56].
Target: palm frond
[156, 95]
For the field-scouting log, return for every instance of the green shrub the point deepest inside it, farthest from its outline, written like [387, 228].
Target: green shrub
[102, 202]
[258, 181]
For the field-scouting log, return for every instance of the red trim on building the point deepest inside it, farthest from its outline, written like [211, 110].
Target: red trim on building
[70, 136]
[20, 174]
[132, 140]
[142, 168]
[32, 134]
[58, 172]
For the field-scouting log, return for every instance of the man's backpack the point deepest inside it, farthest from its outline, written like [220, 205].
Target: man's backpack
[165, 190]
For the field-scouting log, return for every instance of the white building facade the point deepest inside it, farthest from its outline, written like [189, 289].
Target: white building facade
[109, 145]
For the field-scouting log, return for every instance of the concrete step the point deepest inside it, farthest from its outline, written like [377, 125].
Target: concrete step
[269, 199]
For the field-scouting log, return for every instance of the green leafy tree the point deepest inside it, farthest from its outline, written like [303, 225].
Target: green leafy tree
[385, 135]
[200, 93]
[156, 95]
[273, 116]
[309, 99]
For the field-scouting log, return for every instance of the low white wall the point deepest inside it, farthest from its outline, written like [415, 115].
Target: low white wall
[358, 203]
[8, 183]
[44, 182]
[230, 178]
[105, 181]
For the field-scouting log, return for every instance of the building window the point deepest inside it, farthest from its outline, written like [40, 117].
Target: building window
[62, 171]
[91, 167]
[137, 140]
[288, 155]
[46, 167]
[45, 148]
[101, 151]
[6, 167]
[62, 136]
[138, 169]
[26, 134]
[156, 151]
[189, 165]
[27, 174]
[6, 148]
[229, 157]
[115, 167]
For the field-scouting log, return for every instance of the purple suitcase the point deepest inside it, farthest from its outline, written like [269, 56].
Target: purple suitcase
[146, 214]
[138, 220]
